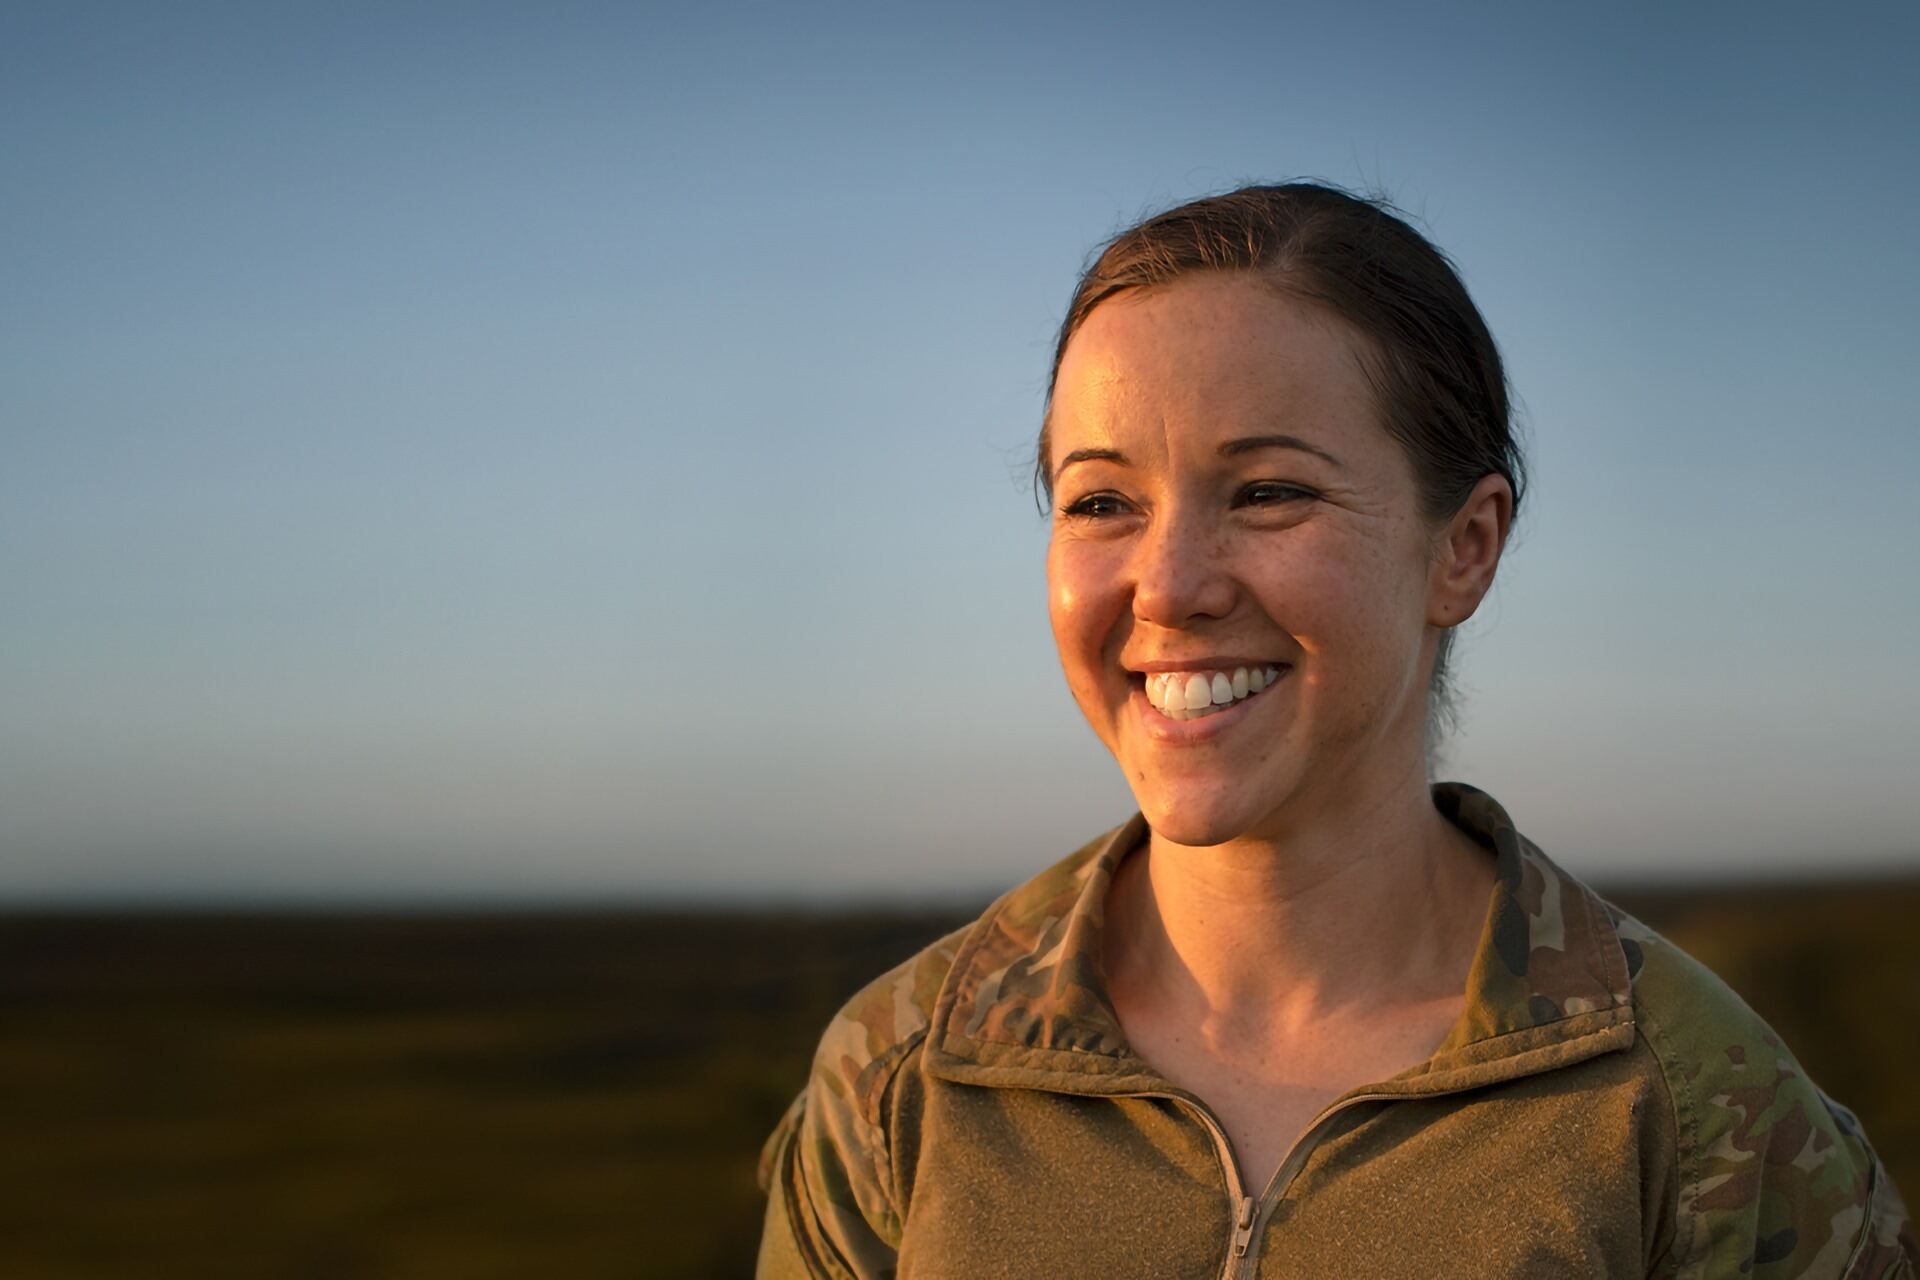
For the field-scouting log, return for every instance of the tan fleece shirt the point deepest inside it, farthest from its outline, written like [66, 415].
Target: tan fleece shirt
[1602, 1107]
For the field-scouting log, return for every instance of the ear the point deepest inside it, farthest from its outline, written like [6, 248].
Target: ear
[1467, 551]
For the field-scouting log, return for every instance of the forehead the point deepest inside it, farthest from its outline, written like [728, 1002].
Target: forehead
[1209, 357]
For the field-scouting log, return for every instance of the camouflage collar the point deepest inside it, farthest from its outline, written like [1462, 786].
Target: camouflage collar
[1024, 1004]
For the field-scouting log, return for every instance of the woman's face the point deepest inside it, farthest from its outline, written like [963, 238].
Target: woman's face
[1225, 500]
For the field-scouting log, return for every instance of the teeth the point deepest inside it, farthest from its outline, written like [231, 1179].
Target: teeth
[1186, 695]
[1199, 692]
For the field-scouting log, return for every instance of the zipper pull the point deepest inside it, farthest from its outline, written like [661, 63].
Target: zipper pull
[1243, 1227]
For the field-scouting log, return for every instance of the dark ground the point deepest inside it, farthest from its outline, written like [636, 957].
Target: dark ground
[584, 1095]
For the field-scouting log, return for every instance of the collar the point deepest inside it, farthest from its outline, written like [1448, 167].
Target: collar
[1025, 1004]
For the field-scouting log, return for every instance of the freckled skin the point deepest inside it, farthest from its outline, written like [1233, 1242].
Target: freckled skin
[1179, 557]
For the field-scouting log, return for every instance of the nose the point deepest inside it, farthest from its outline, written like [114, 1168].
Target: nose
[1181, 573]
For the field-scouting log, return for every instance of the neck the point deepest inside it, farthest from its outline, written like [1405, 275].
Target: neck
[1368, 903]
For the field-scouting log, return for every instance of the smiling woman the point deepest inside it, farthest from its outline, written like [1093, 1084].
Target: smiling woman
[1188, 544]
[1307, 1013]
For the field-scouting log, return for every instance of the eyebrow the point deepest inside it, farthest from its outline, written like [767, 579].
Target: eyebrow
[1089, 455]
[1248, 444]
[1232, 448]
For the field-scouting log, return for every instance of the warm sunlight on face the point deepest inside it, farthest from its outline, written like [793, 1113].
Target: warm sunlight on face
[1238, 573]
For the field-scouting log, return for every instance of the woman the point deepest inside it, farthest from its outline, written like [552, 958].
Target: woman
[1304, 1015]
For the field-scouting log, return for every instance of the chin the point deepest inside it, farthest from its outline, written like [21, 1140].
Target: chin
[1196, 821]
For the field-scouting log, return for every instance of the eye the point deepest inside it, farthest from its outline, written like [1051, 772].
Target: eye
[1272, 493]
[1097, 505]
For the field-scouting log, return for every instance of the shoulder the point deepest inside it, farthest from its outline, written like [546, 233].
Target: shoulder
[875, 1031]
[872, 1036]
[833, 1208]
[1772, 1177]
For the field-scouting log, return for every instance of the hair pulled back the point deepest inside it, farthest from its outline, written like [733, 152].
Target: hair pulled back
[1435, 371]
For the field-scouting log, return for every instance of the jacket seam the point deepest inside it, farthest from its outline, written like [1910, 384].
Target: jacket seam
[873, 1110]
[1868, 1220]
[1852, 1266]
[1686, 1126]
[818, 1253]
[1609, 963]
[872, 1084]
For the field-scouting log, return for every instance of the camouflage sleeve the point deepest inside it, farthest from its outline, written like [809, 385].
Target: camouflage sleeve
[832, 1195]
[1773, 1179]
[815, 1228]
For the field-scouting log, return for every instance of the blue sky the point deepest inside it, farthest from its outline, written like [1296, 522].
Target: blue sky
[571, 451]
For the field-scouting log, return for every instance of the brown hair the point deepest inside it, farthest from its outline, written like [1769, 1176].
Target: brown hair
[1435, 371]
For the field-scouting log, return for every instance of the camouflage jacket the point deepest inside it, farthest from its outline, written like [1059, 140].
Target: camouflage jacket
[1603, 1106]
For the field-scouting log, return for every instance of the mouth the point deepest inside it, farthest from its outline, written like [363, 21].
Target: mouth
[1202, 692]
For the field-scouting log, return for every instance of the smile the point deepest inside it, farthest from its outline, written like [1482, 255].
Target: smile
[1190, 695]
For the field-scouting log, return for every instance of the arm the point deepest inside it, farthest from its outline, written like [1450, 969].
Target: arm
[829, 1210]
[1765, 1175]
[1780, 1191]
[834, 1205]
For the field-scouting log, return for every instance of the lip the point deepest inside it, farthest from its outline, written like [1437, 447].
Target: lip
[1203, 663]
[1189, 733]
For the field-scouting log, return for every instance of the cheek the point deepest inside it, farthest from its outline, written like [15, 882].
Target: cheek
[1359, 613]
[1082, 605]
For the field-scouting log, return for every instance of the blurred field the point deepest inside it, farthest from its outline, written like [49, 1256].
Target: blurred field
[584, 1095]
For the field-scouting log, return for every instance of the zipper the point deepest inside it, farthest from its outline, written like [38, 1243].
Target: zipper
[1245, 1210]
[1242, 1261]
[1248, 1212]
[1242, 1228]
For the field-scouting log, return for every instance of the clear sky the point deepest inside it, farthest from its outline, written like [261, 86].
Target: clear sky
[575, 451]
